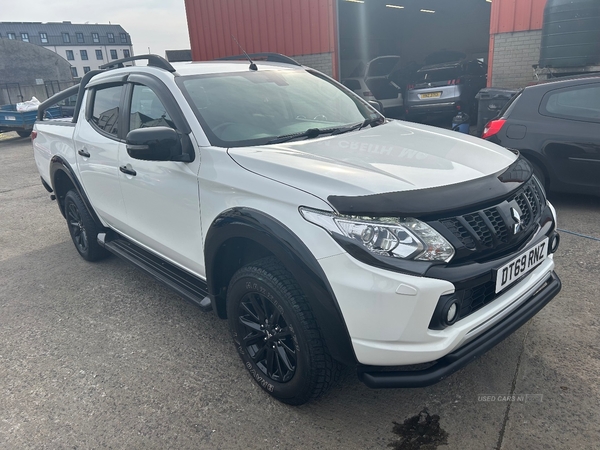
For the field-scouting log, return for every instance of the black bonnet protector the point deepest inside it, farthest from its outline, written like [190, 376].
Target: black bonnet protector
[437, 201]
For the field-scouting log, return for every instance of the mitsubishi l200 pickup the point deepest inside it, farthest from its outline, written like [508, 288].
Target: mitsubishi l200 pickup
[324, 233]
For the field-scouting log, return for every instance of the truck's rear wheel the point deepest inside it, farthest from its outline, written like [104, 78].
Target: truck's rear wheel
[24, 133]
[276, 334]
[84, 231]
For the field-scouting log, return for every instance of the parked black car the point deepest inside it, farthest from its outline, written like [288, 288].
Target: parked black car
[445, 89]
[556, 126]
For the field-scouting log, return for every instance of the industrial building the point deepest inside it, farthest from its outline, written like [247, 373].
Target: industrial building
[335, 36]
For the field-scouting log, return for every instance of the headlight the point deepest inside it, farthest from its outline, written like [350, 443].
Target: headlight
[399, 238]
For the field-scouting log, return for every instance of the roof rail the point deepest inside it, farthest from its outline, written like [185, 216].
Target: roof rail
[153, 60]
[271, 57]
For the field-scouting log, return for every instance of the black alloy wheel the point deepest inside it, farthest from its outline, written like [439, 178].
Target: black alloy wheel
[82, 228]
[276, 334]
[78, 232]
[266, 337]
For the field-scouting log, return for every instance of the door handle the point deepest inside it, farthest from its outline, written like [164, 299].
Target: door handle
[84, 153]
[128, 171]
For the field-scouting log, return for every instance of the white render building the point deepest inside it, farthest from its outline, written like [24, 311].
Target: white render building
[85, 46]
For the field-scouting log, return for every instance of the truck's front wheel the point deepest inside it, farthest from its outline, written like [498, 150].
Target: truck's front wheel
[84, 231]
[276, 334]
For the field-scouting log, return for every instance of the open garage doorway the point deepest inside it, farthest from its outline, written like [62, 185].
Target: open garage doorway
[414, 34]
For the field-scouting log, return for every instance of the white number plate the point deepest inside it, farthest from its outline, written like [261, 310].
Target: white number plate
[522, 264]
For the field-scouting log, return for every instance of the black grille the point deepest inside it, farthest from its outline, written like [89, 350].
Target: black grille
[460, 232]
[497, 223]
[491, 228]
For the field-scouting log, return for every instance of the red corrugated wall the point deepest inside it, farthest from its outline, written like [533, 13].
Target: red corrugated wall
[290, 27]
[516, 15]
[513, 15]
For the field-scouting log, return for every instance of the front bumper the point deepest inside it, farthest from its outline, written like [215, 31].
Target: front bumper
[388, 314]
[375, 377]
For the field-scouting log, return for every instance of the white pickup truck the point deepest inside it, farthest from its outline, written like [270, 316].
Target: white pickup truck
[326, 234]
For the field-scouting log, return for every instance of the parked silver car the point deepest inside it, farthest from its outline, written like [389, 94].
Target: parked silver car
[374, 81]
[445, 89]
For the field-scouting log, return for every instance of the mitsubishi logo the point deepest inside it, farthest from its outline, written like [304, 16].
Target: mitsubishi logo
[517, 218]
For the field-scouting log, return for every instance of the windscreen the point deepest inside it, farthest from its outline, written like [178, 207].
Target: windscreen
[251, 108]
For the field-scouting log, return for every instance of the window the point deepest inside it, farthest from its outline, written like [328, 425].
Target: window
[25, 37]
[105, 113]
[11, 35]
[126, 53]
[95, 37]
[353, 85]
[124, 38]
[99, 54]
[262, 105]
[66, 38]
[476, 67]
[147, 110]
[86, 69]
[113, 54]
[111, 37]
[83, 54]
[74, 72]
[70, 55]
[44, 38]
[577, 103]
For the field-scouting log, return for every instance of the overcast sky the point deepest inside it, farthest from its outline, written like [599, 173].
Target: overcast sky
[158, 24]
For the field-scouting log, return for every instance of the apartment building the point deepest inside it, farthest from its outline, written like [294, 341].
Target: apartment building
[85, 46]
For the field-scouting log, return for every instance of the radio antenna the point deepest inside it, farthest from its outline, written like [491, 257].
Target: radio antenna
[252, 65]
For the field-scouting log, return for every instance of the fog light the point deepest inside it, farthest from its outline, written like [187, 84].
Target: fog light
[554, 241]
[451, 314]
[446, 312]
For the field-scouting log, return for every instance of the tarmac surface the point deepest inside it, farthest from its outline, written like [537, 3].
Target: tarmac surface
[99, 355]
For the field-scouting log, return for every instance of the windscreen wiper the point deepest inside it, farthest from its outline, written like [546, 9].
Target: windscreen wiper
[311, 133]
[359, 126]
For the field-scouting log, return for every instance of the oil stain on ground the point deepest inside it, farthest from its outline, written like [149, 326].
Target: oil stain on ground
[420, 432]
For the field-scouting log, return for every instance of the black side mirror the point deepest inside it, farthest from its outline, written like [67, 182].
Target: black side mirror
[155, 144]
[377, 105]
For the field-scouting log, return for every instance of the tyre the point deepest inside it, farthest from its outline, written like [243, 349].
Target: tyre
[276, 334]
[83, 228]
[24, 133]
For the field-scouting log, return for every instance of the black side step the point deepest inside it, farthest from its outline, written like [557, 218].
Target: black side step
[188, 286]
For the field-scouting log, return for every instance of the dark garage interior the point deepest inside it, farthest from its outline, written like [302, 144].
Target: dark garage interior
[411, 29]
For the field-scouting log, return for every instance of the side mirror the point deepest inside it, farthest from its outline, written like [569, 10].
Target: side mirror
[377, 105]
[154, 144]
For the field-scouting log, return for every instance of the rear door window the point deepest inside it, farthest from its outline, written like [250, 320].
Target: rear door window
[105, 111]
[576, 103]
